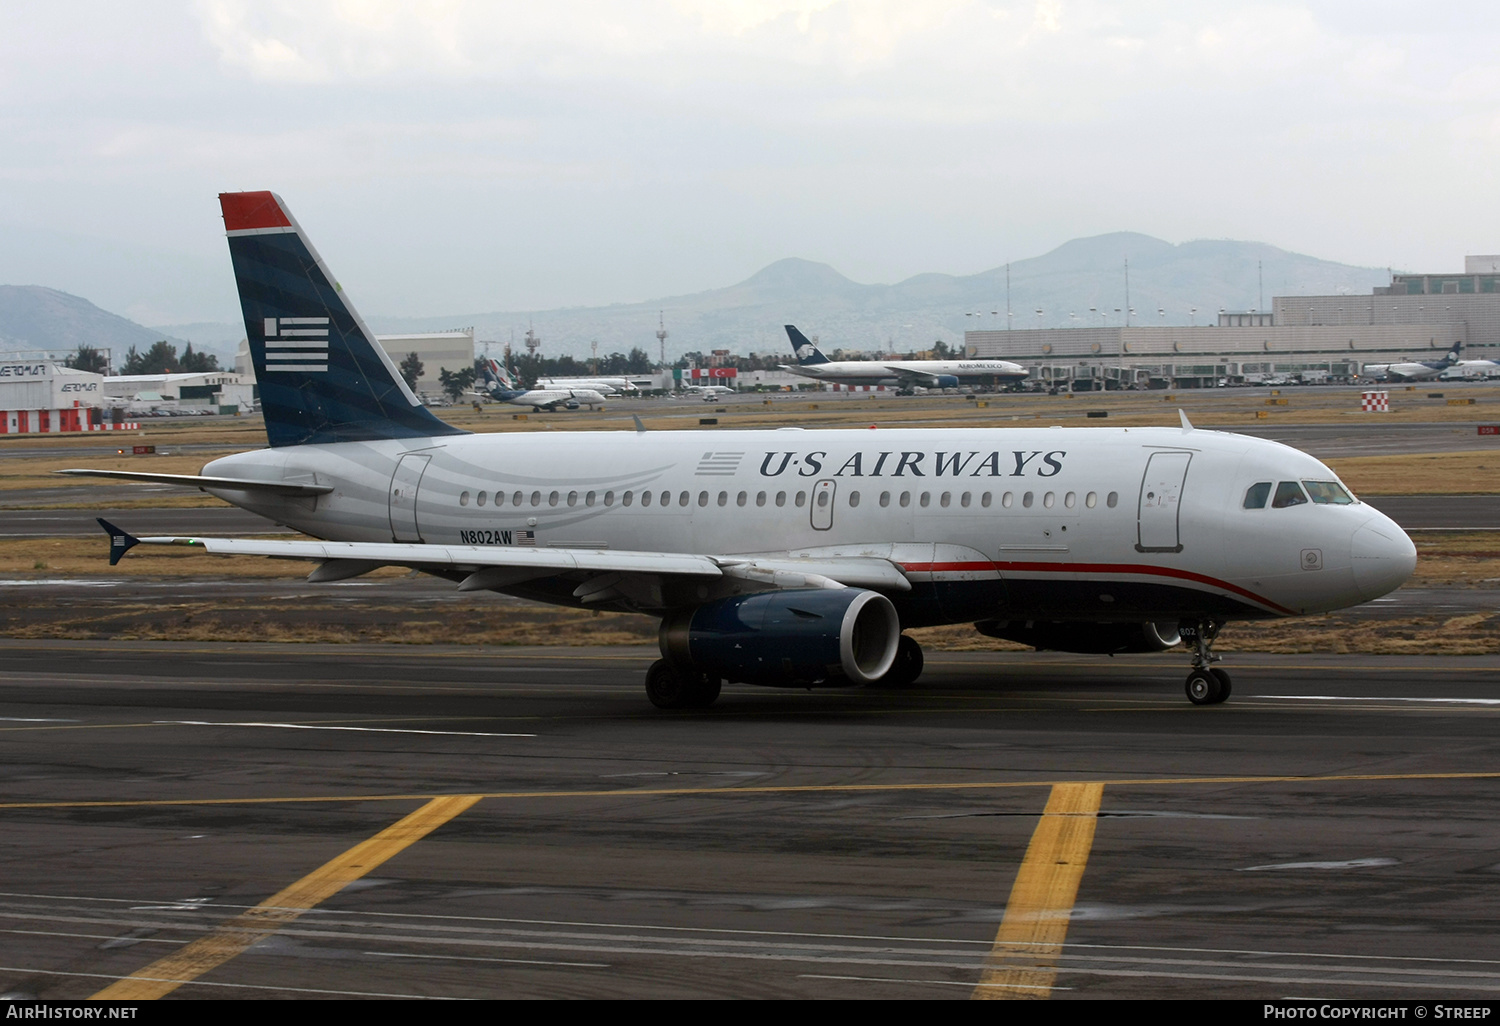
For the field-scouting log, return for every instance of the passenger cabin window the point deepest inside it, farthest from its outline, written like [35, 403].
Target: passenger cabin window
[1257, 494]
[1326, 493]
[1288, 493]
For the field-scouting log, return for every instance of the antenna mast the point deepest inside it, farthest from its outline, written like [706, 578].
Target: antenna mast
[661, 337]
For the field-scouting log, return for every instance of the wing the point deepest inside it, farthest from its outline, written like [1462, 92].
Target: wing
[907, 376]
[641, 580]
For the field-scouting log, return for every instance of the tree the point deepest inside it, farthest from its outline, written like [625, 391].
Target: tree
[88, 359]
[159, 359]
[455, 382]
[197, 362]
[411, 370]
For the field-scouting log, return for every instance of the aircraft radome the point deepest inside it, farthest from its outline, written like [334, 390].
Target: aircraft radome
[777, 557]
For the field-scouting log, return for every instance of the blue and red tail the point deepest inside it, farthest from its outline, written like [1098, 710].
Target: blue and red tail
[322, 375]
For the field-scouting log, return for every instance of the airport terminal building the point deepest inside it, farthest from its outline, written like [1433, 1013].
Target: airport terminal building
[1308, 338]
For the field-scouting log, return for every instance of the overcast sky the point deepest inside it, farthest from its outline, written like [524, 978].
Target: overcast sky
[454, 156]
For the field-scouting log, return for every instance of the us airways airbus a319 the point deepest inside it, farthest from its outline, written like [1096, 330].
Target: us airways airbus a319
[776, 557]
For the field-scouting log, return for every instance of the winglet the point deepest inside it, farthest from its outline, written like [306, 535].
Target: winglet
[1186, 424]
[120, 542]
[640, 428]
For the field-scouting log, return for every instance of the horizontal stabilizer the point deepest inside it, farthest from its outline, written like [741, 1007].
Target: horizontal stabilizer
[120, 542]
[203, 481]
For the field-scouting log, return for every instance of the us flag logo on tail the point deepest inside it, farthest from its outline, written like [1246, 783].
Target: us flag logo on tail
[297, 344]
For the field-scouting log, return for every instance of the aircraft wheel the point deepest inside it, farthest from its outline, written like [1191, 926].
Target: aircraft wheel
[1203, 688]
[705, 692]
[667, 687]
[907, 666]
[1225, 684]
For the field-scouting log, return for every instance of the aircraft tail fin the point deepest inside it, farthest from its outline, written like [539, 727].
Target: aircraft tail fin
[323, 377]
[495, 378]
[807, 351]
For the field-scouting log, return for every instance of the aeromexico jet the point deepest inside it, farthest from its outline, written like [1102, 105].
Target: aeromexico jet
[1422, 371]
[498, 386]
[811, 363]
[780, 557]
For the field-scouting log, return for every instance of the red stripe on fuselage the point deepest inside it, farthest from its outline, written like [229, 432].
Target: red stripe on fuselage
[244, 210]
[1095, 568]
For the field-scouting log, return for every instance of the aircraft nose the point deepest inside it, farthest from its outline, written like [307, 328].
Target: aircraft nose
[1383, 557]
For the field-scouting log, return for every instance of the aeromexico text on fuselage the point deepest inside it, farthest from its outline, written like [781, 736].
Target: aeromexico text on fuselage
[904, 463]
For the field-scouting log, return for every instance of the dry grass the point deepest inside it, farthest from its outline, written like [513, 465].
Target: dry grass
[1439, 473]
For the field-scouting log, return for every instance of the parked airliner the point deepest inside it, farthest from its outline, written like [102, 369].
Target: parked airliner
[782, 557]
[499, 386]
[904, 374]
[1414, 371]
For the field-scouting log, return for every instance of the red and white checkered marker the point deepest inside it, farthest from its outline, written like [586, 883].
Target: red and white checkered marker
[1375, 402]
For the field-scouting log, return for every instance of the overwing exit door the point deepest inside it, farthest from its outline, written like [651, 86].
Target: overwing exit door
[822, 505]
[404, 485]
[1157, 515]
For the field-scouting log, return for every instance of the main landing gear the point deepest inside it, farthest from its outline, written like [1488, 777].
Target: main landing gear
[669, 687]
[1207, 684]
[907, 667]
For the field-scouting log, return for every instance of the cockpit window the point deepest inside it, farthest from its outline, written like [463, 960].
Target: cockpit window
[1257, 494]
[1288, 493]
[1328, 493]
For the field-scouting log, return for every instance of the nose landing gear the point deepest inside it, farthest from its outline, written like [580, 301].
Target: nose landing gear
[1206, 685]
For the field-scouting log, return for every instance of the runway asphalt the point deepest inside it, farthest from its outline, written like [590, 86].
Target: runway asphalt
[1325, 833]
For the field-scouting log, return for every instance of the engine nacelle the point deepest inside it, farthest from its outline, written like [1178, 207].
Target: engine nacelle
[786, 637]
[946, 381]
[1064, 636]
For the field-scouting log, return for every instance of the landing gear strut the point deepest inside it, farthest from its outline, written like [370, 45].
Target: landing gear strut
[669, 687]
[1206, 685]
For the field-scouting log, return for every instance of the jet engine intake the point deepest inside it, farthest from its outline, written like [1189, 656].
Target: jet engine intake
[1067, 636]
[786, 638]
[946, 381]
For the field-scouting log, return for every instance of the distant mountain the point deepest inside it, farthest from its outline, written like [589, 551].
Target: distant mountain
[1167, 282]
[35, 317]
[748, 317]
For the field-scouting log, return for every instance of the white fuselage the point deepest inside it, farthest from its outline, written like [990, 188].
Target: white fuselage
[552, 398]
[606, 386]
[1405, 371]
[1081, 523]
[906, 372]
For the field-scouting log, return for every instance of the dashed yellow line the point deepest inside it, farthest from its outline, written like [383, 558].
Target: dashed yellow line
[207, 953]
[1023, 962]
[688, 792]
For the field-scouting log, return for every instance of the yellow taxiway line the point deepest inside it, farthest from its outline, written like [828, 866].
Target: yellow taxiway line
[1023, 962]
[207, 953]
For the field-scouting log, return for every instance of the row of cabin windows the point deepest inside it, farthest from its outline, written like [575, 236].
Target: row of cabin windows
[1290, 493]
[924, 499]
